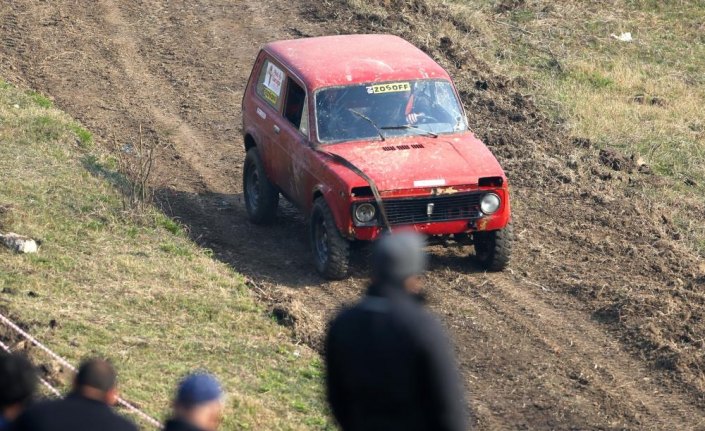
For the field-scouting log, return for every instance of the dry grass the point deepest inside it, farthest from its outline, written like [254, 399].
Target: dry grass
[135, 290]
[644, 97]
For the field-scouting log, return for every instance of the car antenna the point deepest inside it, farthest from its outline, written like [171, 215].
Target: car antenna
[365, 117]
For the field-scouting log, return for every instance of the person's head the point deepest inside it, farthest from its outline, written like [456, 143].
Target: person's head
[97, 379]
[18, 383]
[199, 401]
[399, 260]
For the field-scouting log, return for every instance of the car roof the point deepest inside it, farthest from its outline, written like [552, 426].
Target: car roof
[350, 59]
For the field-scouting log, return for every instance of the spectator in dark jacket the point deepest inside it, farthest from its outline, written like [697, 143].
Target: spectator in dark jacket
[87, 408]
[389, 363]
[18, 383]
[198, 405]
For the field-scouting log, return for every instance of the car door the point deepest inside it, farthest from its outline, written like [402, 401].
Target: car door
[268, 102]
[294, 138]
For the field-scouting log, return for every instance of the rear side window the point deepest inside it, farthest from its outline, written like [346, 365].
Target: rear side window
[295, 106]
[270, 83]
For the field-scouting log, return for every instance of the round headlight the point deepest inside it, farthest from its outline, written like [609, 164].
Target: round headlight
[365, 212]
[490, 203]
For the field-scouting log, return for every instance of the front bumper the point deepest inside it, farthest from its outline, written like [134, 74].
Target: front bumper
[436, 214]
[493, 222]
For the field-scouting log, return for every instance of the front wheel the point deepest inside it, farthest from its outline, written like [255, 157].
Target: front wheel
[261, 197]
[331, 251]
[493, 249]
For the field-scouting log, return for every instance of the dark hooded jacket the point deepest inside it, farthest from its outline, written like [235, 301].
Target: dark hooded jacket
[74, 413]
[390, 367]
[180, 425]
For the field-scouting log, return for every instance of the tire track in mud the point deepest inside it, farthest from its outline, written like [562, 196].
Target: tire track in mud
[149, 90]
[518, 322]
[531, 358]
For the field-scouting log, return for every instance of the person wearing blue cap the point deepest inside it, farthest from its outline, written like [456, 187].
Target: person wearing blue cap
[198, 405]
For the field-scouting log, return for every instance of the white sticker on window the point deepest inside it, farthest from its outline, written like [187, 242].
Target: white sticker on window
[391, 87]
[274, 79]
[430, 183]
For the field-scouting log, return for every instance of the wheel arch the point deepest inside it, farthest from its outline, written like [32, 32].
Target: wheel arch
[330, 198]
[249, 141]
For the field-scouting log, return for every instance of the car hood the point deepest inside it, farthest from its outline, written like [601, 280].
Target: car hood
[421, 162]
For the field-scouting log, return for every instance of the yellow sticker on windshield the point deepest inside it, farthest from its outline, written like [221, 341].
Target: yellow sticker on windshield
[391, 87]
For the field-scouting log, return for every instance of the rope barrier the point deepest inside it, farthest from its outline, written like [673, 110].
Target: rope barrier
[132, 409]
[52, 389]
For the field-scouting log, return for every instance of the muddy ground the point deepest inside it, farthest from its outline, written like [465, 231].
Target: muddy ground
[594, 327]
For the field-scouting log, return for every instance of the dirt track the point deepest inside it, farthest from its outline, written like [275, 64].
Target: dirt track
[534, 353]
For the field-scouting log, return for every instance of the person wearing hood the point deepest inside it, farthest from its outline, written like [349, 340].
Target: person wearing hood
[389, 363]
[18, 385]
[198, 405]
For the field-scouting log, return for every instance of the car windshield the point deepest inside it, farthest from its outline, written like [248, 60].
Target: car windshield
[388, 109]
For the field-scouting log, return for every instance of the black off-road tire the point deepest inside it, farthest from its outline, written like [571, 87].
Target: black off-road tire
[261, 197]
[331, 251]
[493, 249]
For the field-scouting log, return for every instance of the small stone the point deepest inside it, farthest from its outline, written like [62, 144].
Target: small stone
[582, 142]
[645, 169]
[19, 243]
[615, 160]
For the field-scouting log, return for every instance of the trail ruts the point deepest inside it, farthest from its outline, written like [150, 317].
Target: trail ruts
[532, 355]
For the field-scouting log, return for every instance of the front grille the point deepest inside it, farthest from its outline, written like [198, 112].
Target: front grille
[459, 206]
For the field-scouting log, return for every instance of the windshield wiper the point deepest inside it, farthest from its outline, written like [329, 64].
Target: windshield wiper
[369, 120]
[409, 126]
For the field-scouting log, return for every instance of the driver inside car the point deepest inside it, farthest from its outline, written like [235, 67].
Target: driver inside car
[420, 109]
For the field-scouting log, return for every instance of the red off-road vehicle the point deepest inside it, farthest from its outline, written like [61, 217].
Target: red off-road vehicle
[366, 134]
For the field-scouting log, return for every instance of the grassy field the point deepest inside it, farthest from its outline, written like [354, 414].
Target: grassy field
[643, 97]
[134, 289]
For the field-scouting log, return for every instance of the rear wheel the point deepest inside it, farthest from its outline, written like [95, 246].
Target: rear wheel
[493, 249]
[331, 251]
[261, 197]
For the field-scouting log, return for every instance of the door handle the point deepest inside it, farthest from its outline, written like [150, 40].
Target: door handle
[276, 129]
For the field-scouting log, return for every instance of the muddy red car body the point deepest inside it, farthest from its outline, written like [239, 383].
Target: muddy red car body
[364, 134]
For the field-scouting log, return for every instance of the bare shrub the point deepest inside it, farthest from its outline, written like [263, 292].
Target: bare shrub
[135, 162]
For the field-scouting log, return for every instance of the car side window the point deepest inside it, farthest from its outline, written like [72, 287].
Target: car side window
[303, 127]
[445, 97]
[270, 83]
[295, 106]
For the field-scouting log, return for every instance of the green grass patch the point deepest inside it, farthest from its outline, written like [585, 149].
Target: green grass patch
[175, 250]
[170, 225]
[643, 97]
[135, 289]
[85, 138]
[40, 99]
[594, 79]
